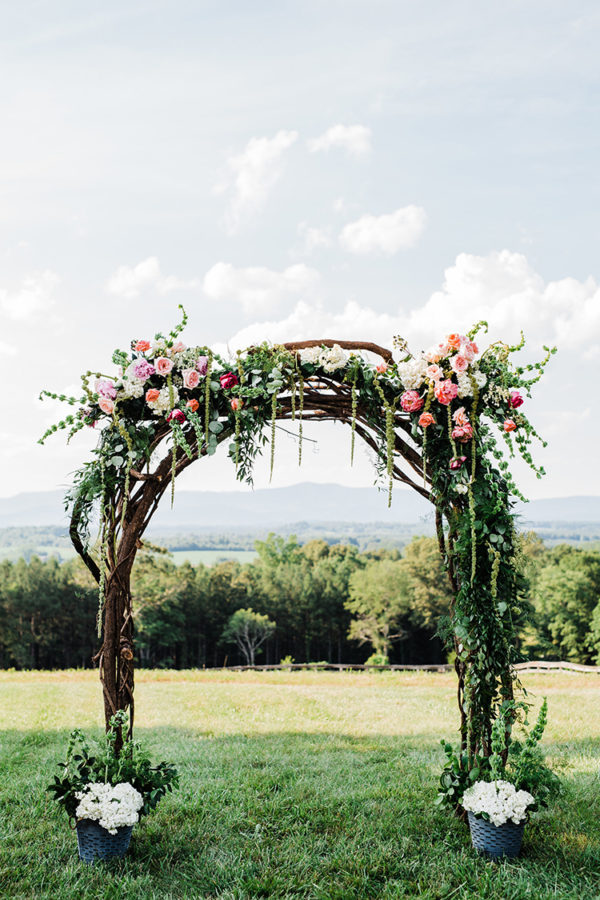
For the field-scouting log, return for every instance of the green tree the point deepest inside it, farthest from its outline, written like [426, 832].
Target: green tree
[249, 630]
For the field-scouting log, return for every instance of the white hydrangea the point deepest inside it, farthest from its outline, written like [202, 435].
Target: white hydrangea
[413, 373]
[499, 800]
[333, 358]
[131, 388]
[162, 403]
[465, 388]
[311, 355]
[111, 806]
[479, 378]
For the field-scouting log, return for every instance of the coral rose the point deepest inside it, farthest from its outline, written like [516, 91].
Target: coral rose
[192, 404]
[460, 417]
[381, 368]
[191, 378]
[163, 365]
[516, 399]
[228, 380]
[106, 405]
[426, 419]
[445, 391]
[509, 425]
[152, 395]
[411, 401]
[142, 346]
[454, 341]
[237, 403]
[176, 415]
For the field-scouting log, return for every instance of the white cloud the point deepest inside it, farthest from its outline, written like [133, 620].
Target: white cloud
[257, 288]
[34, 296]
[7, 349]
[314, 238]
[130, 281]
[385, 234]
[501, 288]
[354, 139]
[252, 175]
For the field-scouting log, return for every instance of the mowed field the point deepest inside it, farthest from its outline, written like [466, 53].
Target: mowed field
[293, 785]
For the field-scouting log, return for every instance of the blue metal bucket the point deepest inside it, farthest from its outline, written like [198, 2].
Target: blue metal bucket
[95, 842]
[496, 841]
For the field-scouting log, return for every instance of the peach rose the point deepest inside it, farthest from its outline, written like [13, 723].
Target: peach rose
[191, 378]
[454, 341]
[381, 368]
[459, 363]
[192, 404]
[237, 403]
[445, 391]
[152, 395]
[426, 419]
[163, 365]
[433, 355]
[460, 417]
[142, 346]
[434, 373]
[509, 425]
[106, 405]
[178, 347]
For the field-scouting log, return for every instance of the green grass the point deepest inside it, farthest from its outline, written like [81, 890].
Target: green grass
[294, 785]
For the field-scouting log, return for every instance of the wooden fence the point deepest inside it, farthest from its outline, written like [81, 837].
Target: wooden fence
[531, 666]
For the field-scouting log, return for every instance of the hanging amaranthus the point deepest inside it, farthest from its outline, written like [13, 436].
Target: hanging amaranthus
[354, 395]
[273, 425]
[207, 397]
[301, 410]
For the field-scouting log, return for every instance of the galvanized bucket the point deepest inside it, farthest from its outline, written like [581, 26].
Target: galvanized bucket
[95, 842]
[496, 841]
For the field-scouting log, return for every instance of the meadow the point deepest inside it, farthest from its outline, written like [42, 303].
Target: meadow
[293, 785]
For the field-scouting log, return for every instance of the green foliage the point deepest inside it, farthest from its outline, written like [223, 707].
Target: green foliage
[86, 763]
[249, 630]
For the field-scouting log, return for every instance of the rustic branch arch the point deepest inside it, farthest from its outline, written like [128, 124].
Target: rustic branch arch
[423, 417]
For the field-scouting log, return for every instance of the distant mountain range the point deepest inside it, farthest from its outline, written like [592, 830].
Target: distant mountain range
[308, 502]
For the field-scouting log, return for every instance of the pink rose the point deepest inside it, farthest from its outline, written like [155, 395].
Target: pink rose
[457, 462]
[106, 405]
[516, 399]
[178, 347]
[411, 401]
[459, 363]
[381, 368]
[460, 417]
[509, 425]
[426, 419]
[434, 373]
[228, 380]
[469, 351]
[202, 364]
[462, 433]
[445, 391]
[163, 365]
[176, 415]
[191, 378]
[105, 388]
[236, 403]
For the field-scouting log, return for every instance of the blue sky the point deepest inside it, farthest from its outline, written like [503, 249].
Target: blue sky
[297, 169]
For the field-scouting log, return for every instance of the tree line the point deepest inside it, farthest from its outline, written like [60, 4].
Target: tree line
[309, 602]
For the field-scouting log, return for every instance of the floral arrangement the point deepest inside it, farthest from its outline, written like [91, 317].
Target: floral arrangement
[112, 806]
[113, 786]
[458, 409]
[497, 802]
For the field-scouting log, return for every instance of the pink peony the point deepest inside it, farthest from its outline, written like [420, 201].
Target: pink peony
[106, 405]
[509, 425]
[236, 403]
[381, 368]
[143, 370]
[105, 388]
[142, 346]
[191, 378]
[457, 462]
[462, 433]
[459, 363]
[516, 399]
[202, 364]
[163, 365]
[445, 391]
[411, 401]
[228, 380]
[460, 417]
[176, 415]
[426, 419]
[434, 373]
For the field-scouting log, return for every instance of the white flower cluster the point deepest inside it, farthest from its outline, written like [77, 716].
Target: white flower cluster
[162, 403]
[500, 800]
[330, 358]
[110, 806]
[413, 373]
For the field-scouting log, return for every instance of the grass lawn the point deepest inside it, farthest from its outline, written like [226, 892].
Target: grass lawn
[293, 785]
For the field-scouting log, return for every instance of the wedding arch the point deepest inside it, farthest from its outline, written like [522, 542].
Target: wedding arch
[433, 421]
